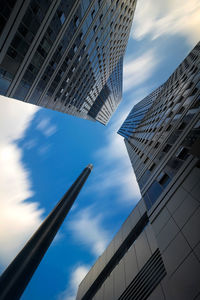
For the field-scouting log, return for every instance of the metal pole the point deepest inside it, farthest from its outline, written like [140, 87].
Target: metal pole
[18, 274]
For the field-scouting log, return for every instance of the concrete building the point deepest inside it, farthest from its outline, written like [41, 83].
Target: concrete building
[156, 253]
[65, 55]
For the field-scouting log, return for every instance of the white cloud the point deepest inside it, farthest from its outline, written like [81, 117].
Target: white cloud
[116, 170]
[138, 70]
[86, 227]
[18, 219]
[168, 17]
[46, 128]
[76, 277]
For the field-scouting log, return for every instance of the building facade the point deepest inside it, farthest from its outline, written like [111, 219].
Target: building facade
[156, 253]
[65, 55]
[137, 114]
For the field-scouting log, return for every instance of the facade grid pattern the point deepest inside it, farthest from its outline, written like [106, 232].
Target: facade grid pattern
[69, 57]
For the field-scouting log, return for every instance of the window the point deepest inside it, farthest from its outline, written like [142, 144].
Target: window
[163, 179]
[76, 21]
[92, 14]
[166, 148]
[152, 167]
[168, 127]
[182, 153]
[182, 126]
[62, 18]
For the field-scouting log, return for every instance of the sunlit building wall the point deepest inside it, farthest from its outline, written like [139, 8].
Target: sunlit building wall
[65, 55]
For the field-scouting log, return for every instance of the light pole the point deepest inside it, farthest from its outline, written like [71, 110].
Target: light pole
[18, 274]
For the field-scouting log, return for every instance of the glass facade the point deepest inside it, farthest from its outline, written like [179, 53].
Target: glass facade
[69, 57]
[137, 114]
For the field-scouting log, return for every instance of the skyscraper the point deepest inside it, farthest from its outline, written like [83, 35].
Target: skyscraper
[159, 144]
[137, 114]
[65, 55]
[156, 253]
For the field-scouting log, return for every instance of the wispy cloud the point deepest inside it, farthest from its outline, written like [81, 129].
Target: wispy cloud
[86, 227]
[46, 127]
[115, 170]
[30, 144]
[157, 18]
[76, 277]
[43, 150]
[18, 219]
[113, 167]
[137, 70]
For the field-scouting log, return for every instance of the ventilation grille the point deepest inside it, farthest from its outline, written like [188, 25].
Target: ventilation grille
[146, 280]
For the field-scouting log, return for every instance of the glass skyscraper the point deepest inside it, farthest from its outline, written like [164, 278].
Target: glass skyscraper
[159, 144]
[137, 114]
[65, 55]
[156, 253]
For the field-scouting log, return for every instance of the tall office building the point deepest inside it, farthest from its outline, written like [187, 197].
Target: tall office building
[156, 253]
[65, 55]
[137, 114]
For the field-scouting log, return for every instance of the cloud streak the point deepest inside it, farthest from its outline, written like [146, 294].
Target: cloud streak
[138, 70]
[87, 229]
[76, 277]
[157, 18]
[18, 219]
[46, 128]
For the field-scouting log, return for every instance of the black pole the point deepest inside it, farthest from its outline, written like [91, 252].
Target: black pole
[18, 274]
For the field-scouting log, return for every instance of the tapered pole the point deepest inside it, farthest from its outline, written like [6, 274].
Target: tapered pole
[18, 274]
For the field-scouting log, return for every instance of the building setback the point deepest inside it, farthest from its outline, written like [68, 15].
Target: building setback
[65, 55]
[156, 253]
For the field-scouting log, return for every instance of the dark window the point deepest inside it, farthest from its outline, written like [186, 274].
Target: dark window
[168, 127]
[152, 167]
[11, 52]
[166, 148]
[163, 179]
[62, 18]
[182, 153]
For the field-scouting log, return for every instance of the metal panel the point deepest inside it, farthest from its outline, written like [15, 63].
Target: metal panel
[146, 280]
[135, 216]
[151, 238]
[176, 252]
[184, 283]
[127, 227]
[167, 234]
[118, 240]
[109, 251]
[119, 279]
[185, 211]
[142, 207]
[108, 291]
[142, 250]
[191, 229]
[131, 267]
[100, 294]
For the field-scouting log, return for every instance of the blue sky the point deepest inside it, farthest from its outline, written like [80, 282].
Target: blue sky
[43, 151]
